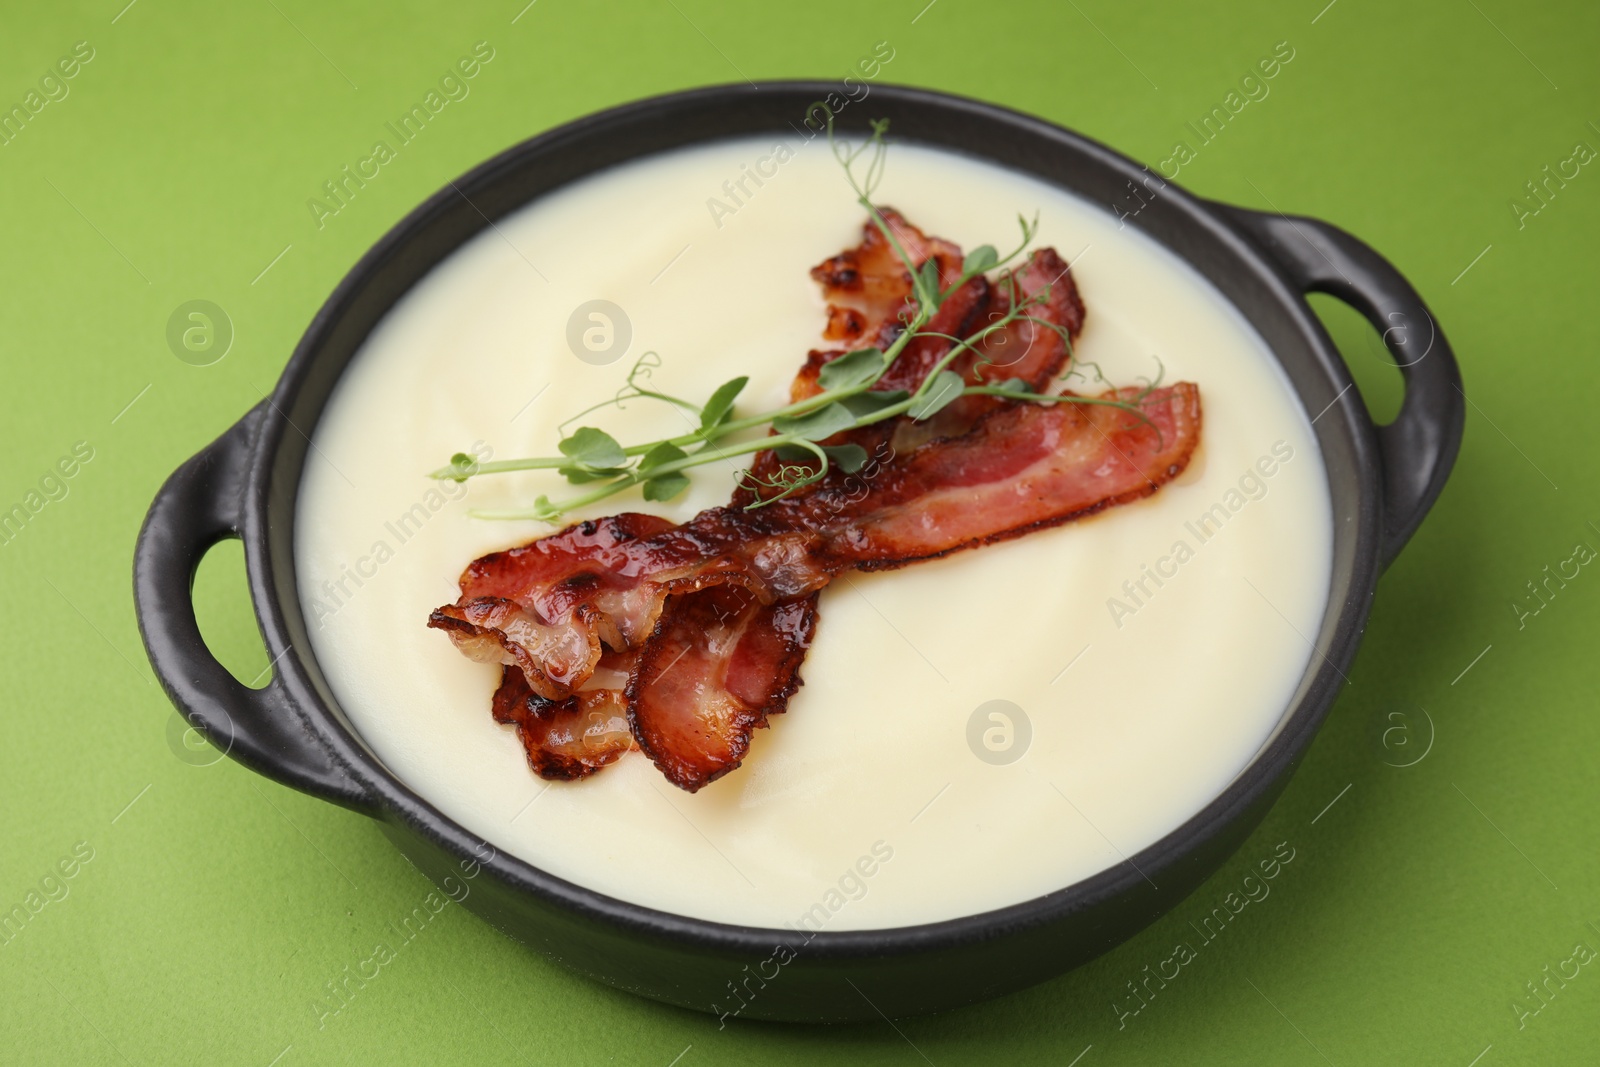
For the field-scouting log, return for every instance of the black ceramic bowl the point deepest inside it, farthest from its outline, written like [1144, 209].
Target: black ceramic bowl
[1382, 480]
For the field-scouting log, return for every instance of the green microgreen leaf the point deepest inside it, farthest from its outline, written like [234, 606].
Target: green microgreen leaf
[848, 458]
[980, 259]
[941, 391]
[928, 281]
[583, 475]
[851, 369]
[720, 406]
[593, 449]
[665, 452]
[666, 486]
[824, 422]
[870, 403]
[1016, 387]
[463, 467]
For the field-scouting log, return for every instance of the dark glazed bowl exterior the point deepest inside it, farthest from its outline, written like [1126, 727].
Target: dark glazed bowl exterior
[1382, 480]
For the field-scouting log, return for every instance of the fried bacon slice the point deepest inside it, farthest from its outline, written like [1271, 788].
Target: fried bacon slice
[550, 605]
[1029, 349]
[718, 665]
[565, 740]
[1024, 467]
[868, 288]
[1026, 349]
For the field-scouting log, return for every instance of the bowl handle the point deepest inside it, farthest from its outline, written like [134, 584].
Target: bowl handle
[201, 504]
[1419, 447]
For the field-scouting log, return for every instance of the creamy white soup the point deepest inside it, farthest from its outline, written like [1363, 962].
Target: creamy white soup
[972, 732]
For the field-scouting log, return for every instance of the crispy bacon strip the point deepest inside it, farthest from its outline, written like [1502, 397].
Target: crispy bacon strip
[1030, 349]
[1025, 349]
[718, 665]
[1025, 467]
[565, 740]
[868, 288]
[550, 606]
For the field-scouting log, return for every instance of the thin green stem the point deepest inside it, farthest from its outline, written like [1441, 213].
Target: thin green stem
[634, 477]
[709, 437]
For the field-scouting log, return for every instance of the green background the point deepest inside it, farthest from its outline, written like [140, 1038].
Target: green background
[218, 904]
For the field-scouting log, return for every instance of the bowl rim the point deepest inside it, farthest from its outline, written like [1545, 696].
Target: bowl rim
[394, 801]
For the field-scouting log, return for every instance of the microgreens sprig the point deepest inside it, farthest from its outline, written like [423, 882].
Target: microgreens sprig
[845, 400]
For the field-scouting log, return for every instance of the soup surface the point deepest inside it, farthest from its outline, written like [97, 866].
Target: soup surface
[972, 732]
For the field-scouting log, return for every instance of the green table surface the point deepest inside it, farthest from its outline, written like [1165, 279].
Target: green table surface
[207, 907]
